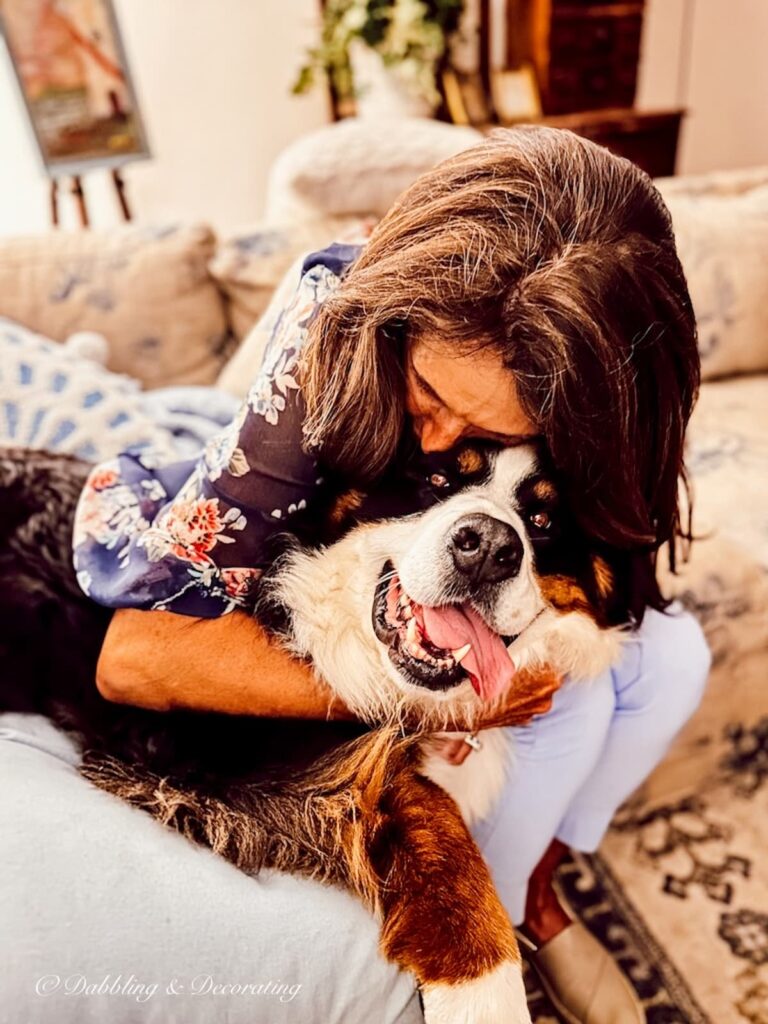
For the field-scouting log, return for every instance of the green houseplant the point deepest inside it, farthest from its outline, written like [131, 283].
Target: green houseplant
[408, 38]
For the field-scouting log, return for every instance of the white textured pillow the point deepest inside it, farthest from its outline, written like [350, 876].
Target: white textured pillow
[357, 166]
[722, 240]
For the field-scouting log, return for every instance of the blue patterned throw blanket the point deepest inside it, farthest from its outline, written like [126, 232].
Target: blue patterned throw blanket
[53, 397]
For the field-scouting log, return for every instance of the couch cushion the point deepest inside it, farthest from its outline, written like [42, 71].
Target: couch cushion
[728, 461]
[722, 239]
[730, 182]
[239, 274]
[147, 290]
[726, 580]
[249, 265]
[725, 583]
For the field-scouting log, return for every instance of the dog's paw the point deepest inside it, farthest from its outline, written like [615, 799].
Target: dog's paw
[497, 997]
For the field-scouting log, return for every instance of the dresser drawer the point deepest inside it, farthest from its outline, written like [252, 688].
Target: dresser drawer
[589, 88]
[592, 58]
[576, 38]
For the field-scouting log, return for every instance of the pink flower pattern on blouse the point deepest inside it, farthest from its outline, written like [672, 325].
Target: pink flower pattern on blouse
[192, 536]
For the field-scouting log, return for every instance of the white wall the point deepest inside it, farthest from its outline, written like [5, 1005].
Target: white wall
[710, 57]
[214, 78]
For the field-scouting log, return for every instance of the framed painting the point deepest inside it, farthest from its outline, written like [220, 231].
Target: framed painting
[72, 71]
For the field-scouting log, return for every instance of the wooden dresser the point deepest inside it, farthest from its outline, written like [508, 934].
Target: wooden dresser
[585, 54]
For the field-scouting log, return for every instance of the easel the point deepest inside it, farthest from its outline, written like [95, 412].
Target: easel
[77, 190]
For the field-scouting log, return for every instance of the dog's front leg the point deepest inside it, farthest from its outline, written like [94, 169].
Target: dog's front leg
[442, 919]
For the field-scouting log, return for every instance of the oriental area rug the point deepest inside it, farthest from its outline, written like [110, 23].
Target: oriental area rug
[698, 867]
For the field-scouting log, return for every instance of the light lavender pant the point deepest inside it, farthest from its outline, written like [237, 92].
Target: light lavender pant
[573, 767]
[108, 916]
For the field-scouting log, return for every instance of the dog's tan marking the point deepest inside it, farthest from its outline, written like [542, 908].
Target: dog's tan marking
[530, 694]
[545, 490]
[565, 594]
[603, 576]
[437, 887]
[345, 506]
[470, 460]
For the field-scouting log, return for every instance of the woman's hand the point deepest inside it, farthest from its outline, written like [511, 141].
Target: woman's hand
[529, 695]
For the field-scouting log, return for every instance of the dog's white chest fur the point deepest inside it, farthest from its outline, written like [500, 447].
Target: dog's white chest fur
[476, 784]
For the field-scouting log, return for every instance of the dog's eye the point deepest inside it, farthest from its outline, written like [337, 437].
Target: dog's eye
[541, 520]
[440, 480]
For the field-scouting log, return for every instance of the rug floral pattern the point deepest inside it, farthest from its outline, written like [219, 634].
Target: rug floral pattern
[698, 867]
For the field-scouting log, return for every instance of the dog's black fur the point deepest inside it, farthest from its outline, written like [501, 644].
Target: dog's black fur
[51, 635]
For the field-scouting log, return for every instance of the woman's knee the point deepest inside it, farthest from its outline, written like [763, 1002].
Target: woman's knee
[575, 727]
[672, 669]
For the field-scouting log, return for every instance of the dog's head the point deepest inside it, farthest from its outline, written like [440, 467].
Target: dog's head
[441, 607]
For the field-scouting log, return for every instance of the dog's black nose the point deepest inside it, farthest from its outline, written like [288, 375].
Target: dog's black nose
[485, 549]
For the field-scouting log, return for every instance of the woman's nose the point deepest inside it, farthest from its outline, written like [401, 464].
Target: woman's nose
[440, 434]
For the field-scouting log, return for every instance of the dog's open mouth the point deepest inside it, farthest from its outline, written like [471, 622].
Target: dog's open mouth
[439, 647]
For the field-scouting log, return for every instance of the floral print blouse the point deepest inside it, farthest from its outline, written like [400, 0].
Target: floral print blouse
[191, 537]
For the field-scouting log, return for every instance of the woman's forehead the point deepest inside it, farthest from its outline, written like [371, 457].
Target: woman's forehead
[473, 385]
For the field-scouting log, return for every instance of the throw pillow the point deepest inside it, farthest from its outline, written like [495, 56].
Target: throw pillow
[53, 398]
[722, 240]
[147, 289]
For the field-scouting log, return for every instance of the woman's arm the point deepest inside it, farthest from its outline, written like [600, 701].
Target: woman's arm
[162, 660]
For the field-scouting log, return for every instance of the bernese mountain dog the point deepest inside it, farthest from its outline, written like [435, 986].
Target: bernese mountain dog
[419, 622]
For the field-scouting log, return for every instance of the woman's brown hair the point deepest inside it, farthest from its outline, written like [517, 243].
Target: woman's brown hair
[561, 257]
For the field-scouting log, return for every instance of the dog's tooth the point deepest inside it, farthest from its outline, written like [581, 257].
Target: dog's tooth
[412, 631]
[406, 612]
[461, 652]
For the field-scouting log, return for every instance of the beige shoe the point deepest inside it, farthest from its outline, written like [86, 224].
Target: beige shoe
[582, 980]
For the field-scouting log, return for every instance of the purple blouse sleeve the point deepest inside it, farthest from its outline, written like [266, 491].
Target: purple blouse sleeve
[191, 537]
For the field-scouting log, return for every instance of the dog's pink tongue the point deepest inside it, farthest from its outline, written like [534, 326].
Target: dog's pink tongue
[488, 664]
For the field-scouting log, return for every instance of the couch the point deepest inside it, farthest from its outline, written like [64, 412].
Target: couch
[179, 306]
